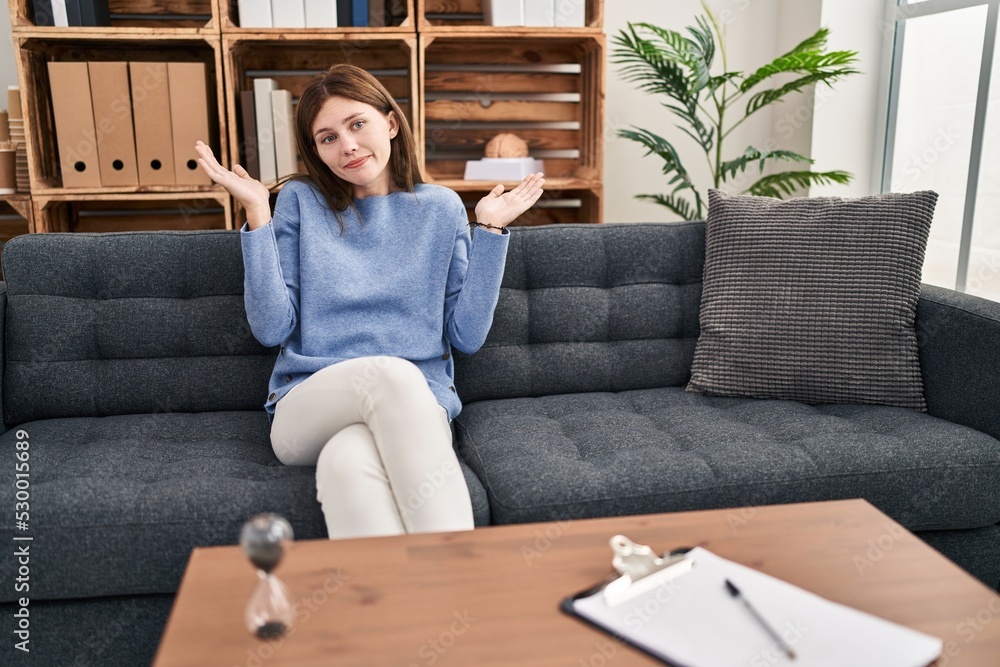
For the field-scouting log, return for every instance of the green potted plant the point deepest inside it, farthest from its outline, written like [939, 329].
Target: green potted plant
[667, 62]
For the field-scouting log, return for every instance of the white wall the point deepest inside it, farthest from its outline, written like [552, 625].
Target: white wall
[8, 70]
[791, 117]
[846, 123]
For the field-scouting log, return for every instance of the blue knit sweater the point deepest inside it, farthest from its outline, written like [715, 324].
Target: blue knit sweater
[408, 280]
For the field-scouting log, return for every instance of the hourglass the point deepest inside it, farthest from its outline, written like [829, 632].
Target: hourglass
[264, 539]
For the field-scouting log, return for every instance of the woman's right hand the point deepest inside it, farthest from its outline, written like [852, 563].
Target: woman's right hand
[249, 192]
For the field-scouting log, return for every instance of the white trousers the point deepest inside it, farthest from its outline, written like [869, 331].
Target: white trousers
[381, 445]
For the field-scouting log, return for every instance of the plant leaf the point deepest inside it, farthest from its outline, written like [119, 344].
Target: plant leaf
[811, 46]
[765, 97]
[816, 42]
[693, 56]
[704, 52]
[655, 68]
[787, 182]
[690, 53]
[681, 207]
[718, 81]
[704, 135]
[663, 148]
[751, 154]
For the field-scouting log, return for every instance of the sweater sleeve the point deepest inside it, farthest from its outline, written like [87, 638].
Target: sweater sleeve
[473, 288]
[271, 267]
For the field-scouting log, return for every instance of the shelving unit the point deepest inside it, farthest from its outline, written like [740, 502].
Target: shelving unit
[459, 82]
[134, 18]
[18, 204]
[15, 219]
[150, 30]
[545, 86]
[229, 15]
[112, 212]
[467, 16]
[36, 52]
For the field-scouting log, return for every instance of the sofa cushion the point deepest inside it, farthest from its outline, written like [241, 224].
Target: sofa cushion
[813, 299]
[667, 450]
[591, 308]
[128, 323]
[117, 503]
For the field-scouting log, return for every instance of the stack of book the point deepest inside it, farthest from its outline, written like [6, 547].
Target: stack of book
[71, 12]
[320, 13]
[125, 124]
[268, 131]
[15, 132]
[544, 13]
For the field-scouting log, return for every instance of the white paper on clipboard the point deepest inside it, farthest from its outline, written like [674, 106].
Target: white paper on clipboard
[693, 621]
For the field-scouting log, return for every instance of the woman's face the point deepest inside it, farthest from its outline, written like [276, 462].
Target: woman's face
[352, 139]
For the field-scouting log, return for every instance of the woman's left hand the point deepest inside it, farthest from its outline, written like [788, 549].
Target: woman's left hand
[500, 208]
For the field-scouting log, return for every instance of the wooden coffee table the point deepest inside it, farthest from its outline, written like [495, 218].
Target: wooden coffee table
[491, 596]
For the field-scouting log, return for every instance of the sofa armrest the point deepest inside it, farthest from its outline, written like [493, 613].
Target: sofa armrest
[959, 340]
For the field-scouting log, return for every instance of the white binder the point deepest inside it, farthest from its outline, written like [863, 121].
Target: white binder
[321, 13]
[255, 13]
[284, 133]
[503, 12]
[288, 14]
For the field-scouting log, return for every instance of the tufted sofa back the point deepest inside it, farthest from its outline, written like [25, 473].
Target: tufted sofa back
[127, 322]
[582, 308]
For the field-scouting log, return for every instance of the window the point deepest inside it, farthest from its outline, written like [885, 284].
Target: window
[943, 134]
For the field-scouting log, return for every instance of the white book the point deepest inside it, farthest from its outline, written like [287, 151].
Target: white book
[321, 13]
[262, 89]
[502, 168]
[284, 133]
[59, 15]
[570, 13]
[255, 13]
[503, 12]
[539, 13]
[288, 14]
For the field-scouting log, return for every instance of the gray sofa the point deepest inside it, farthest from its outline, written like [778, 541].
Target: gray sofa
[131, 371]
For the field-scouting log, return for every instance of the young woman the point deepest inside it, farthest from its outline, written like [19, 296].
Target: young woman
[367, 277]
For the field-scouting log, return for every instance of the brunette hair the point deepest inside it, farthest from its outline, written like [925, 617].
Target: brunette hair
[351, 82]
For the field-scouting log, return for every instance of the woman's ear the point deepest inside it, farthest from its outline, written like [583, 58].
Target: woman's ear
[393, 124]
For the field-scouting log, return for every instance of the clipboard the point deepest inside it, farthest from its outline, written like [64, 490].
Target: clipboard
[676, 608]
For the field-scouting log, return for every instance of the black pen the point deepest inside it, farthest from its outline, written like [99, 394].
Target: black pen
[735, 592]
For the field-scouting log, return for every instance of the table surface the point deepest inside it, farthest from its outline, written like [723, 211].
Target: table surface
[491, 596]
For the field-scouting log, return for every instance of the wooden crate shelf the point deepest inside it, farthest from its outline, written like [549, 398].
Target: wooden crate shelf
[36, 52]
[557, 205]
[145, 212]
[459, 83]
[295, 61]
[19, 204]
[16, 218]
[230, 21]
[136, 18]
[551, 183]
[546, 88]
[467, 16]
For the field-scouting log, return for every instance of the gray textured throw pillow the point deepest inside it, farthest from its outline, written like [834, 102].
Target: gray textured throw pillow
[813, 299]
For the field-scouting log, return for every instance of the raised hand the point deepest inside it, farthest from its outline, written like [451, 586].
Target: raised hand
[249, 192]
[500, 208]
